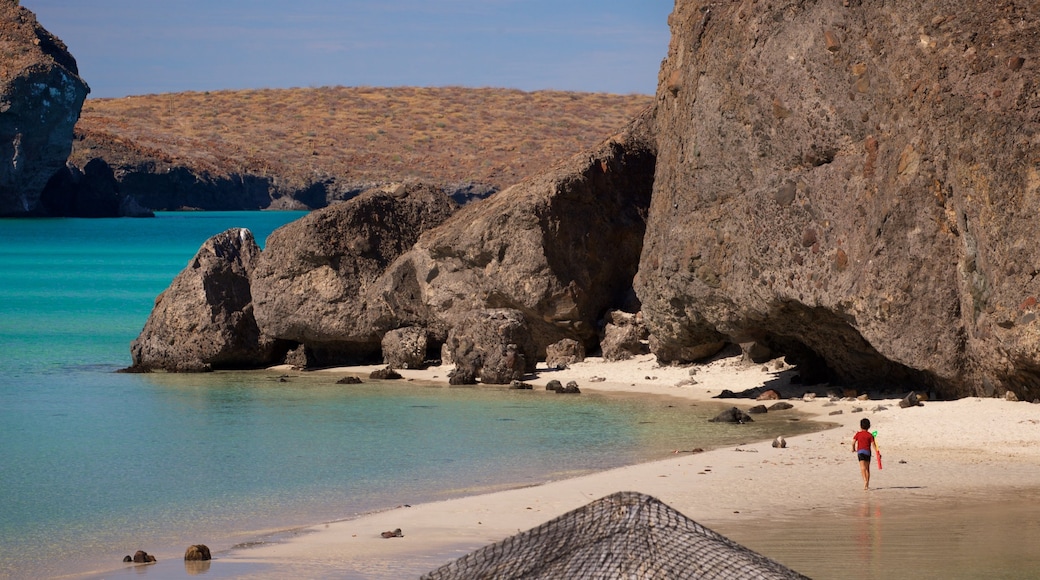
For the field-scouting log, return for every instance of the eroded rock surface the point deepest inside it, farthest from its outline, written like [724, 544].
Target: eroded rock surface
[852, 185]
[493, 345]
[560, 247]
[313, 282]
[41, 95]
[204, 320]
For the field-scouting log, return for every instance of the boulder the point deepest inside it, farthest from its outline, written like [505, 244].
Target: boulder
[864, 207]
[781, 406]
[494, 345]
[141, 557]
[624, 336]
[756, 352]
[564, 353]
[571, 388]
[757, 410]
[780, 442]
[204, 320]
[349, 380]
[41, 95]
[197, 553]
[732, 415]
[384, 374]
[910, 400]
[462, 376]
[769, 395]
[405, 348]
[313, 283]
[553, 385]
[561, 247]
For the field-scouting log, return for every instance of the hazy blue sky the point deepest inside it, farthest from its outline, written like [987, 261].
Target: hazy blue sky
[130, 47]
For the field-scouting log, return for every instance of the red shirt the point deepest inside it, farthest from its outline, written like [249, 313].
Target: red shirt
[863, 440]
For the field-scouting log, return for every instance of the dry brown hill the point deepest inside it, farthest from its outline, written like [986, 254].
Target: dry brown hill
[343, 137]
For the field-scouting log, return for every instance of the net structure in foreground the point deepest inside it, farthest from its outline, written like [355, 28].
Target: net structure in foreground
[624, 535]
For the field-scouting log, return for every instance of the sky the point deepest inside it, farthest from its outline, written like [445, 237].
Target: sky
[134, 47]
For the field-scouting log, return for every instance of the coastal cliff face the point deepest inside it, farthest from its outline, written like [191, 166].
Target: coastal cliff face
[41, 94]
[306, 148]
[313, 283]
[854, 185]
[561, 247]
[205, 320]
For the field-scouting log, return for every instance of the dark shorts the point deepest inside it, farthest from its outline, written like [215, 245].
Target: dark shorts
[863, 455]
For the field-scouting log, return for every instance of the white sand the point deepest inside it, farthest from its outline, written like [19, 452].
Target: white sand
[945, 451]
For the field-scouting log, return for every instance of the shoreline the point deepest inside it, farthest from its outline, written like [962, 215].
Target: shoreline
[951, 451]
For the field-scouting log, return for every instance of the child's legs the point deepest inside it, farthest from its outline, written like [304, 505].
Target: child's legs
[864, 469]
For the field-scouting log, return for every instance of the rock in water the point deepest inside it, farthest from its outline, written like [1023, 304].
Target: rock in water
[41, 95]
[732, 415]
[204, 320]
[197, 552]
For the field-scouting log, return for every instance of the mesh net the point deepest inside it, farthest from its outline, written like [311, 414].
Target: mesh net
[624, 535]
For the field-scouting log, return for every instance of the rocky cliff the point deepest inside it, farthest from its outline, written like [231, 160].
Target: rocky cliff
[854, 185]
[560, 249]
[850, 185]
[307, 148]
[40, 98]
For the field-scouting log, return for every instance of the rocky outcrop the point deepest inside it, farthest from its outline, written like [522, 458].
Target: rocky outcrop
[493, 345]
[204, 320]
[561, 248]
[852, 185]
[405, 348]
[624, 336]
[563, 353]
[313, 283]
[90, 192]
[41, 95]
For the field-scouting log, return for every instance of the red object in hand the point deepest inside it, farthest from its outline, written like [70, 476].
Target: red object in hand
[879, 460]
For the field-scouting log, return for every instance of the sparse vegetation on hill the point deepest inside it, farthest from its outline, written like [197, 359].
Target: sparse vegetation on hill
[448, 135]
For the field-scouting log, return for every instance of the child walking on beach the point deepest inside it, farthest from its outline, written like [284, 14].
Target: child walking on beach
[862, 442]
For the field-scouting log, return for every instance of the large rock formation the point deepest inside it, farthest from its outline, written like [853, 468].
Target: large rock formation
[854, 185]
[560, 247]
[204, 320]
[313, 282]
[492, 345]
[559, 250]
[40, 99]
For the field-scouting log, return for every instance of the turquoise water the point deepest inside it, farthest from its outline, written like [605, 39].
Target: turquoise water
[95, 464]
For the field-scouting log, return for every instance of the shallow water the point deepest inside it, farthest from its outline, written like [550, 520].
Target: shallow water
[95, 465]
[883, 536]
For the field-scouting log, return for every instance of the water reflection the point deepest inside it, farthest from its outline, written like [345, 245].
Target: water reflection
[881, 537]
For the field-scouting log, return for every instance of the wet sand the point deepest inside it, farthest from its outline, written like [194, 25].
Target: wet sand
[803, 505]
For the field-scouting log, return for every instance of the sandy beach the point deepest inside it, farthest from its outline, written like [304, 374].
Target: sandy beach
[941, 453]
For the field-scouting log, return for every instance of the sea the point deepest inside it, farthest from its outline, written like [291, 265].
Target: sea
[97, 464]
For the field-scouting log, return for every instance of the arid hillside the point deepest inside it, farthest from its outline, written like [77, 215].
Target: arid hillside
[341, 138]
